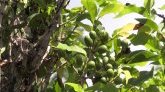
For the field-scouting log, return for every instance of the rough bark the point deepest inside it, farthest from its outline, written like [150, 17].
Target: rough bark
[19, 67]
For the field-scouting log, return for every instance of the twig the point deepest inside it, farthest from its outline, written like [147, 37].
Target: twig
[71, 33]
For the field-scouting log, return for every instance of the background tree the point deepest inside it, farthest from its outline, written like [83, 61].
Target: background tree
[43, 47]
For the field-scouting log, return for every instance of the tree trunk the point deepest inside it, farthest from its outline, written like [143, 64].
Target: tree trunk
[23, 59]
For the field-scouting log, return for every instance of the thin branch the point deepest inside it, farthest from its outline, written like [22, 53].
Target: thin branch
[71, 33]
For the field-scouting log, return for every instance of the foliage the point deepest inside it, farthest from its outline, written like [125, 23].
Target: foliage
[104, 59]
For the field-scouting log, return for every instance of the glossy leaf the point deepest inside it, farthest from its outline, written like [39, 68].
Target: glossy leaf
[145, 75]
[140, 39]
[148, 22]
[130, 9]
[102, 87]
[126, 30]
[85, 26]
[90, 5]
[76, 87]
[57, 87]
[74, 48]
[111, 8]
[140, 56]
[153, 44]
[148, 3]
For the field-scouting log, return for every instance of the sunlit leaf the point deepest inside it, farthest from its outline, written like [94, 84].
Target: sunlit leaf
[148, 22]
[2, 50]
[153, 44]
[126, 30]
[163, 7]
[90, 5]
[130, 9]
[74, 48]
[143, 63]
[50, 9]
[76, 87]
[127, 75]
[102, 87]
[111, 8]
[148, 4]
[57, 87]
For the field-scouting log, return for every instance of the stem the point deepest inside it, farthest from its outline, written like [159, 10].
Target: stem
[70, 33]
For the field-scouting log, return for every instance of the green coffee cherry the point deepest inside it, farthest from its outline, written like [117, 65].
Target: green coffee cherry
[88, 41]
[118, 80]
[93, 35]
[102, 49]
[105, 60]
[79, 60]
[110, 72]
[109, 66]
[104, 36]
[91, 64]
[103, 79]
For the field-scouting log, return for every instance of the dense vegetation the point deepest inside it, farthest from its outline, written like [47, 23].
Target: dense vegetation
[43, 47]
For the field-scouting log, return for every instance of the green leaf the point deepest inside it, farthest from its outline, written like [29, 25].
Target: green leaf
[103, 3]
[50, 9]
[73, 48]
[145, 75]
[148, 4]
[126, 73]
[153, 44]
[147, 22]
[57, 87]
[111, 8]
[140, 56]
[41, 3]
[76, 87]
[82, 17]
[130, 9]
[152, 88]
[116, 45]
[33, 19]
[163, 7]
[140, 39]
[102, 87]
[2, 50]
[125, 30]
[90, 5]
[85, 26]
